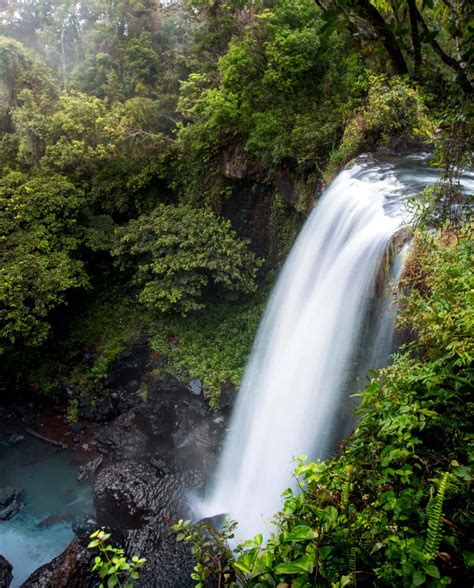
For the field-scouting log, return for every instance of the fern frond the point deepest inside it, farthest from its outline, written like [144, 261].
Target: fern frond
[346, 488]
[353, 566]
[434, 510]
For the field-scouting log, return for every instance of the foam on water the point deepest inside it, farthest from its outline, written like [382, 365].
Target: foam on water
[52, 498]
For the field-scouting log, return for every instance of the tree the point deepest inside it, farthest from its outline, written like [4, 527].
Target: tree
[176, 253]
[21, 70]
[440, 26]
[38, 253]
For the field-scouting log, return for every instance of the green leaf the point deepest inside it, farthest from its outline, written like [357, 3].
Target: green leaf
[418, 578]
[305, 564]
[377, 547]
[432, 570]
[300, 533]
[242, 566]
[468, 558]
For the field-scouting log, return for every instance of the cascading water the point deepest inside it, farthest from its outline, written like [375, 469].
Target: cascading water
[308, 341]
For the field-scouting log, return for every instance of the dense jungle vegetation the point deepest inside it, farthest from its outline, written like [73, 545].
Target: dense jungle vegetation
[158, 159]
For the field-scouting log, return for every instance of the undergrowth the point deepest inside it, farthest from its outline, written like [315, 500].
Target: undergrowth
[212, 345]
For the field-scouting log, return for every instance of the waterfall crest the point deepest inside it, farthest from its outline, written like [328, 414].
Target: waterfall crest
[304, 354]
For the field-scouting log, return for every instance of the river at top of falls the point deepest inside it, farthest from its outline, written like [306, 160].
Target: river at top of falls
[314, 338]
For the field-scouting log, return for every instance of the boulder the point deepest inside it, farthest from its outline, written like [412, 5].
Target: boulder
[195, 386]
[84, 526]
[139, 501]
[71, 569]
[9, 502]
[87, 471]
[5, 572]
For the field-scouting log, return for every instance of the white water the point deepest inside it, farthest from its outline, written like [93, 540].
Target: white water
[324, 326]
[304, 353]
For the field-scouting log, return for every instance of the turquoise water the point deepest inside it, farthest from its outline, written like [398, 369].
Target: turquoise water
[52, 499]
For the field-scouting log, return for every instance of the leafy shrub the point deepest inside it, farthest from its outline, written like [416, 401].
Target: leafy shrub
[176, 252]
[72, 412]
[212, 345]
[38, 252]
[395, 112]
[111, 565]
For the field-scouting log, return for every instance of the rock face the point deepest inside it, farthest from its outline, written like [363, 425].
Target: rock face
[139, 501]
[5, 572]
[165, 448]
[9, 502]
[152, 456]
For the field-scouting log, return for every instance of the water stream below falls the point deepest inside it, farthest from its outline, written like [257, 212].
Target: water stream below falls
[51, 500]
[327, 322]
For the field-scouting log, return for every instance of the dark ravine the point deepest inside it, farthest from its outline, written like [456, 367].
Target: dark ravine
[143, 462]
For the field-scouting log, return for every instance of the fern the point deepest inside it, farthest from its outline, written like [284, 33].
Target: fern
[353, 566]
[346, 488]
[434, 511]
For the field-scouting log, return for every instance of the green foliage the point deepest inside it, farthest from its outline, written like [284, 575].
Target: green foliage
[181, 104]
[394, 508]
[111, 564]
[285, 223]
[106, 325]
[212, 345]
[283, 91]
[175, 252]
[21, 71]
[434, 511]
[440, 305]
[210, 550]
[72, 414]
[38, 252]
[395, 114]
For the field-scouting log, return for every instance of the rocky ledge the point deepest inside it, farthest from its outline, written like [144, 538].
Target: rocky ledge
[10, 502]
[147, 460]
[5, 572]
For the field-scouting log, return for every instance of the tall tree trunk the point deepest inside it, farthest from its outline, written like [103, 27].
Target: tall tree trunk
[367, 11]
[415, 38]
[445, 58]
[63, 60]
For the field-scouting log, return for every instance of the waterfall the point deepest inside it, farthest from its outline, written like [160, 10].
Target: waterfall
[314, 333]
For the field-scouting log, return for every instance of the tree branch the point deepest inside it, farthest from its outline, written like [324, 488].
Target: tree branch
[373, 16]
[415, 37]
[445, 58]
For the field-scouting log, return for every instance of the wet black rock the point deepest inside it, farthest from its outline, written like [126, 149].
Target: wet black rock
[129, 494]
[5, 572]
[10, 502]
[227, 398]
[16, 439]
[126, 372]
[154, 453]
[172, 423]
[139, 501]
[87, 471]
[84, 526]
[71, 569]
